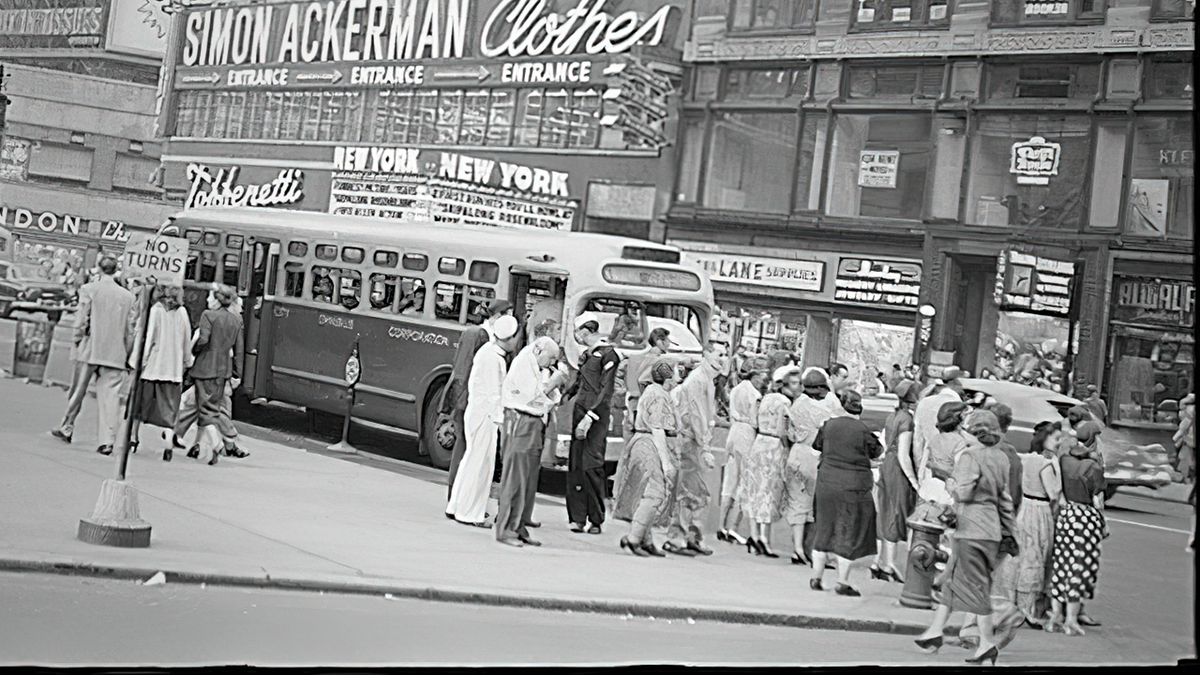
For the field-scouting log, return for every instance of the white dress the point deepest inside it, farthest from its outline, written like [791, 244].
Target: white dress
[473, 482]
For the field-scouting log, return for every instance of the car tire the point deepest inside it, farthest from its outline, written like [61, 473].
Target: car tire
[5, 309]
[1109, 491]
[54, 317]
[439, 456]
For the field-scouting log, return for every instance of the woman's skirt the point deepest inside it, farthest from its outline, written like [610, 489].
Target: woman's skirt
[159, 402]
[969, 587]
[642, 478]
[897, 499]
[800, 486]
[1035, 537]
[844, 513]
[760, 486]
[1075, 564]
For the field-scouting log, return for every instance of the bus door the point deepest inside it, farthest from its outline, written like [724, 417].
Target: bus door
[538, 293]
[260, 260]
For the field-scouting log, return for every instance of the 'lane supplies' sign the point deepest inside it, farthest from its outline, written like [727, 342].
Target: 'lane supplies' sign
[149, 256]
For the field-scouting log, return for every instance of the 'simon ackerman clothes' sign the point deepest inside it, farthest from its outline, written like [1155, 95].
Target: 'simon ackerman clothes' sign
[878, 282]
[800, 275]
[1151, 301]
[1028, 283]
[448, 187]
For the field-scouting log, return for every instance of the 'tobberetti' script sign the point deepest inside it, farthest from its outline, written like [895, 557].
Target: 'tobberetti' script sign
[220, 188]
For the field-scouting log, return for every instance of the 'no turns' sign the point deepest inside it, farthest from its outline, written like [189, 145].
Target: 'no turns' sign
[152, 256]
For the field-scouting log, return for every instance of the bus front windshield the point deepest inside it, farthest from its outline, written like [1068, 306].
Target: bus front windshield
[626, 323]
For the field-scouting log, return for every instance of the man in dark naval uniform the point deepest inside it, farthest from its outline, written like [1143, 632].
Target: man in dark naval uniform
[585, 464]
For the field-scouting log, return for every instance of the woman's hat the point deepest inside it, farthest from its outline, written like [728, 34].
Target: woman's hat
[906, 391]
[983, 425]
[815, 378]
[1088, 432]
[782, 372]
[951, 410]
[852, 402]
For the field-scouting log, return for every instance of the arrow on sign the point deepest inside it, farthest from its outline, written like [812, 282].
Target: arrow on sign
[211, 78]
[479, 72]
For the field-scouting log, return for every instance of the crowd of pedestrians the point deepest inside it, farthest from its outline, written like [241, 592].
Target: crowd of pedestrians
[187, 377]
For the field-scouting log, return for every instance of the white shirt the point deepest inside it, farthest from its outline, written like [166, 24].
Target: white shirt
[925, 418]
[525, 386]
[486, 382]
[743, 403]
[167, 351]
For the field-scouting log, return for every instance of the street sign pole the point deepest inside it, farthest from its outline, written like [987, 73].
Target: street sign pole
[116, 520]
[353, 372]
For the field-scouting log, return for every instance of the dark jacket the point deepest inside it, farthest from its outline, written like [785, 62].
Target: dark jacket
[597, 374]
[469, 342]
[220, 331]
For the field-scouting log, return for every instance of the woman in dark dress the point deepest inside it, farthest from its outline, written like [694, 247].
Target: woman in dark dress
[843, 507]
[897, 489]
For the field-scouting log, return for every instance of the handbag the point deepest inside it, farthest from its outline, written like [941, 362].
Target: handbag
[444, 431]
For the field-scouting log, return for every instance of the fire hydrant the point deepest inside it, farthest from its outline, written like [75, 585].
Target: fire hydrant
[922, 558]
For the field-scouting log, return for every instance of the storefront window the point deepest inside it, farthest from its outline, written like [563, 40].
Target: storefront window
[1162, 186]
[1031, 349]
[749, 152]
[903, 82]
[900, 14]
[1028, 171]
[773, 14]
[1047, 12]
[812, 155]
[867, 348]
[1169, 79]
[1153, 348]
[766, 83]
[879, 165]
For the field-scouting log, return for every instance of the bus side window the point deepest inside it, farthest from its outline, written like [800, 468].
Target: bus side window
[448, 300]
[212, 239]
[293, 279]
[477, 296]
[189, 272]
[297, 249]
[229, 269]
[383, 291]
[412, 301]
[322, 284]
[350, 288]
[193, 236]
[208, 266]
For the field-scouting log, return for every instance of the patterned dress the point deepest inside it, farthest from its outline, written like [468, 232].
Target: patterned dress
[1075, 565]
[805, 418]
[1035, 537]
[639, 472]
[760, 490]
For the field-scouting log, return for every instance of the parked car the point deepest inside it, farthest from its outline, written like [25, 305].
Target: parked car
[21, 290]
[1127, 461]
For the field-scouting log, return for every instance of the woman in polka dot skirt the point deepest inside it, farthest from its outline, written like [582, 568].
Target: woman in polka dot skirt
[1077, 533]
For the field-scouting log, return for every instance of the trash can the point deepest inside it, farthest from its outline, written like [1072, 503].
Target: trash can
[32, 348]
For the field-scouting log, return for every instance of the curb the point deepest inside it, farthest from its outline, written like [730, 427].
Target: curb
[1156, 495]
[468, 596]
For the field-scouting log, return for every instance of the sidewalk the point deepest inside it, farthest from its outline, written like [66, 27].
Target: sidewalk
[289, 518]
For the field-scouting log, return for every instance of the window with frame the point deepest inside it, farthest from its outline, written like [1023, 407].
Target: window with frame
[297, 249]
[772, 14]
[1169, 79]
[900, 14]
[337, 286]
[1162, 189]
[1028, 170]
[326, 252]
[900, 82]
[879, 165]
[412, 296]
[477, 297]
[747, 154]
[1172, 10]
[765, 83]
[386, 258]
[233, 241]
[230, 269]
[416, 262]
[1043, 80]
[1047, 12]
[484, 272]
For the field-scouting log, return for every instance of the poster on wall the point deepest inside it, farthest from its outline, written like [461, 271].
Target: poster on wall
[1028, 283]
[878, 168]
[1148, 206]
[138, 27]
[888, 283]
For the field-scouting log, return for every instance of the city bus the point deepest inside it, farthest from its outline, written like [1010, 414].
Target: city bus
[313, 285]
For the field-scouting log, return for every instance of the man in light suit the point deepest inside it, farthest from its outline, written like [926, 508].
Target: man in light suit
[106, 318]
[82, 375]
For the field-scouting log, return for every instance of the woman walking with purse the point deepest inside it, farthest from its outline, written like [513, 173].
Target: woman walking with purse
[166, 356]
[985, 519]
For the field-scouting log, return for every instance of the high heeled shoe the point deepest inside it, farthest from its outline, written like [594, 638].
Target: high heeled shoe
[752, 546]
[798, 559]
[721, 536]
[633, 548]
[894, 574]
[763, 550]
[989, 655]
[878, 573]
[934, 642]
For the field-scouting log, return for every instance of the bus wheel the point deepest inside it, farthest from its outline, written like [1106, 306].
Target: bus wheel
[433, 437]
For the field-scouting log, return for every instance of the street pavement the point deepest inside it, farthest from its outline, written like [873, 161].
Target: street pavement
[71, 621]
[289, 518]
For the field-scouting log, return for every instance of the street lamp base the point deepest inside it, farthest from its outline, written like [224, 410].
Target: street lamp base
[342, 446]
[115, 521]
